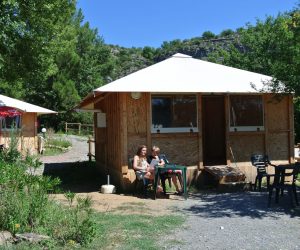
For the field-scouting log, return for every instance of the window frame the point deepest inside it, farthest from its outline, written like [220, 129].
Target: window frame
[10, 129]
[247, 128]
[161, 130]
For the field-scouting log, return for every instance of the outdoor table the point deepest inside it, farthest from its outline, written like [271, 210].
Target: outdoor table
[279, 178]
[166, 167]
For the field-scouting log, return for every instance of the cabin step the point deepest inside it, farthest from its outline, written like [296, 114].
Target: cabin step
[226, 174]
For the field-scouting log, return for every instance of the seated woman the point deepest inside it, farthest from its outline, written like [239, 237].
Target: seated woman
[141, 166]
[155, 155]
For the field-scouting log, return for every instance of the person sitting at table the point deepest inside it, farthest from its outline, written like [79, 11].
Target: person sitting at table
[141, 166]
[155, 157]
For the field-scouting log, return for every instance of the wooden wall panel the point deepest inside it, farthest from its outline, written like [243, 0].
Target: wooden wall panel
[137, 115]
[134, 141]
[277, 115]
[108, 139]
[113, 150]
[137, 123]
[278, 146]
[179, 148]
[245, 144]
[279, 121]
[28, 124]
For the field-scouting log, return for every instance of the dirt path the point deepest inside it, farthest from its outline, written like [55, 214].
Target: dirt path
[103, 202]
[77, 153]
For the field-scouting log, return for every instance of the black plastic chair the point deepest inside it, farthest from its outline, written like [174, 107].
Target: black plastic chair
[261, 163]
[144, 181]
[282, 183]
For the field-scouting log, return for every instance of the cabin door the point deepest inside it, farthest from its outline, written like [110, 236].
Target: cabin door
[213, 130]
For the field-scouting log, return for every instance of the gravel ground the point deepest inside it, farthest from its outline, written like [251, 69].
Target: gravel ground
[213, 220]
[78, 152]
[236, 221]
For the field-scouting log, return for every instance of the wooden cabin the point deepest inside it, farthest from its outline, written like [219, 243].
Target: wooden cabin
[20, 117]
[198, 113]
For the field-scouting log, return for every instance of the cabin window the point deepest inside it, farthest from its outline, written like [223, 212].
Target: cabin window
[246, 113]
[8, 123]
[174, 113]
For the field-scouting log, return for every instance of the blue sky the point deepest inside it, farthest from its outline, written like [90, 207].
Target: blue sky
[139, 23]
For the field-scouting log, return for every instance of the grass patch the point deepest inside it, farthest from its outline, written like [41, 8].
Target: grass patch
[132, 231]
[115, 231]
[58, 142]
[52, 151]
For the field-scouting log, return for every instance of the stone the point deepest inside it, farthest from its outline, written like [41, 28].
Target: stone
[5, 238]
[32, 237]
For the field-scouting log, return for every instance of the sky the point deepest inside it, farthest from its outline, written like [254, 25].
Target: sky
[140, 23]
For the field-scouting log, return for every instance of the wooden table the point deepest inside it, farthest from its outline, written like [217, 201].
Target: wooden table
[166, 167]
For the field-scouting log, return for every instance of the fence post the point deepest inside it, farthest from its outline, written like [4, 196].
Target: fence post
[66, 127]
[79, 128]
[90, 149]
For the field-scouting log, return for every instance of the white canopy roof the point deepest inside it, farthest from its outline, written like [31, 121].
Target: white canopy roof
[23, 106]
[184, 74]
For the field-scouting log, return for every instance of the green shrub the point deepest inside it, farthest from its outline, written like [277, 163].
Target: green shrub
[25, 205]
[59, 143]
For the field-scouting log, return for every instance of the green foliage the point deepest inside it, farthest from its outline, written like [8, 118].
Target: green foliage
[71, 225]
[59, 142]
[208, 35]
[227, 32]
[270, 47]
[25, 205]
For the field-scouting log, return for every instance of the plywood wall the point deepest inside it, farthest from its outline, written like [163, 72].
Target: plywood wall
[179, 148]
[137, 122]
[279, 121]
[244, 144]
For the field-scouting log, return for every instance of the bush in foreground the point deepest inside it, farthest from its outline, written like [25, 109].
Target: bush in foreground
[25, 205]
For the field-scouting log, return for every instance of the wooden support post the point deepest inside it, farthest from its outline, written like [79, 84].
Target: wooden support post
[266, 99]
[66, 127]
[200, 150]
[228, 149]
[90, 149]
[148, 119]
[291, 129]
[79, 128]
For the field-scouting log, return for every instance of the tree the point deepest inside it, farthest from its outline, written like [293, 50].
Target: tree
[208, 35]
[271, 47]
[27, 31]
[48, 56]
[227, 32]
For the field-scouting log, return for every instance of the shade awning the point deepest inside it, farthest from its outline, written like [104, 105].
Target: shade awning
[9, 112]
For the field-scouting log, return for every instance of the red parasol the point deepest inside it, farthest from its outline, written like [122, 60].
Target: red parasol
[9, 112]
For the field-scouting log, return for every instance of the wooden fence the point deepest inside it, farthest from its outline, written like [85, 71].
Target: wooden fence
[79, 128]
